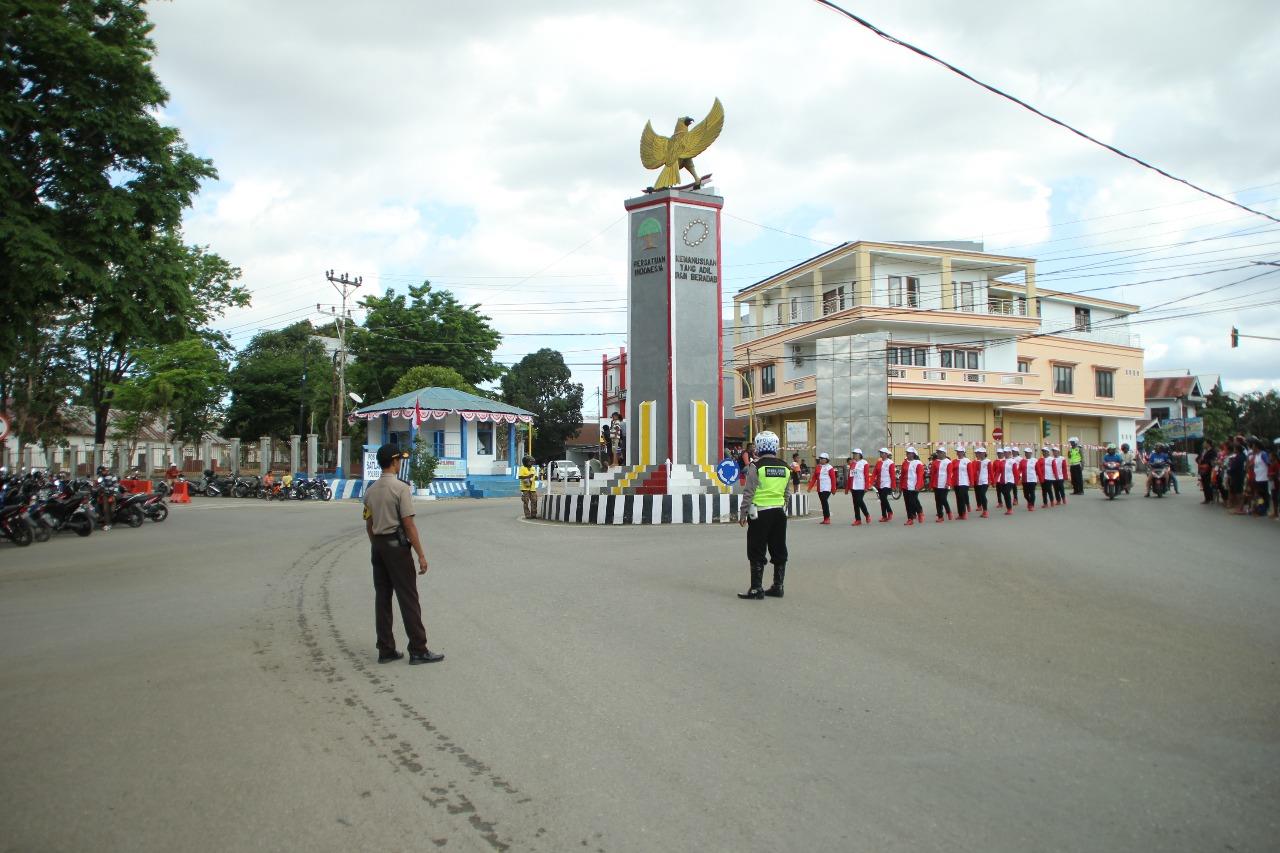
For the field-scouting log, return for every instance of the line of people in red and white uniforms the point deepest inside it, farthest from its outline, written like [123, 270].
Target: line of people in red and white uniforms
[959, 476]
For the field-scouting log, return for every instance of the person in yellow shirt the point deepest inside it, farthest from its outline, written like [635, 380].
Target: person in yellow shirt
[528, 475]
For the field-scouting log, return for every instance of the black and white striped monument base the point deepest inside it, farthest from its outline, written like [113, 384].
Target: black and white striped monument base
[651, 509]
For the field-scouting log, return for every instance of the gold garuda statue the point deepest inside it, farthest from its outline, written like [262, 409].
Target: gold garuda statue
[675, 152]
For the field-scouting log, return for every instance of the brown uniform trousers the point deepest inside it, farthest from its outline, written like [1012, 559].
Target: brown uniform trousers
[393, 572]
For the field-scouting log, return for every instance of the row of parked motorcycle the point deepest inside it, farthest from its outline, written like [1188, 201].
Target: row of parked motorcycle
[285, 488]
[35, 505]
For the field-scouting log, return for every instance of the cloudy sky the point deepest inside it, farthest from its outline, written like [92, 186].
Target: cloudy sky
[488, 146]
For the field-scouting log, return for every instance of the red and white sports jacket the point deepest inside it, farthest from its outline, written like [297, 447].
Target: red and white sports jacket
[1044, 469]
[1027, 472]
[981, 472]
[942, 473]
[1008, 471]
[857, 479]
[960, 473]
[824, 477]
[1059, 467]
[883, 474]
[912, 478]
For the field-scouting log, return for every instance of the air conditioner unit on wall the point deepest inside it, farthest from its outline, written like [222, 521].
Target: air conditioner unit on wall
[797, 355]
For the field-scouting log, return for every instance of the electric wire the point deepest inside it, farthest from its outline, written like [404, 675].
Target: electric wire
[996, 91]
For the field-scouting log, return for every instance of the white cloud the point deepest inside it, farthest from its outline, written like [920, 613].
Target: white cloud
[401, 140]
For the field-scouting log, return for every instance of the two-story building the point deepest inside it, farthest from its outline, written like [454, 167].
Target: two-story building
[873, 344]
[613, 384]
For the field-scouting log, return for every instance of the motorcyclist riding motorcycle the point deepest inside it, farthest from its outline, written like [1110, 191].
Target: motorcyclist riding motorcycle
[1128, 464]
[1111, 462]
[1160, 458]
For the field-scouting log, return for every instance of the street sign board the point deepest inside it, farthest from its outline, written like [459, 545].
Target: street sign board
[727, 471]
[997, 434]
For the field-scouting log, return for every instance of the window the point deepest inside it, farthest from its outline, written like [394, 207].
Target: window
[767, 379]
[1024, 366]
[1104, 383]
[963, 296]
[746, 384]
[484, 438]
[1083, 323]
[1063, 379]
[795, 308]
[896, 291]
[833, 301]
[907, 355]
[961, 359]
[1161, 414]
[504, 441]
[781, 320]
[437, 443]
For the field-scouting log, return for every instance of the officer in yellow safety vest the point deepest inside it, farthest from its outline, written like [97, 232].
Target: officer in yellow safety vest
[763, 511]
[1075, 458]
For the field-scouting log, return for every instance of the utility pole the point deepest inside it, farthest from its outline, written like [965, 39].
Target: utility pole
[344, 284]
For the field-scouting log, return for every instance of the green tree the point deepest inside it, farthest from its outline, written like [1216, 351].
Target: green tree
[1220, 415]
[1154, 435]
[92, 190]
[278, 373]
[88, 173]
[422, 465]
[180, 385]
[429, 376]
[541, 382]
[1260, 415]
[173, 293]
[38, 383]
[426, 327]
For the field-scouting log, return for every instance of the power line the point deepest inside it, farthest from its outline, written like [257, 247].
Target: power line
[996, 91]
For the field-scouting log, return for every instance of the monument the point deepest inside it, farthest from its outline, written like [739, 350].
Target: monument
[675, 380]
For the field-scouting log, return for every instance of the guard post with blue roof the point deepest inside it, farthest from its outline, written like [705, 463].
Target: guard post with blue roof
[478, 442]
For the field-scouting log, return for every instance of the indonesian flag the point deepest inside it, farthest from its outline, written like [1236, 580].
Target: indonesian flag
[418, 416]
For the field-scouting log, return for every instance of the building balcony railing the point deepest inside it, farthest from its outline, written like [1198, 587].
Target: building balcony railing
[905, 375]
[1116, 337]
[881, 309]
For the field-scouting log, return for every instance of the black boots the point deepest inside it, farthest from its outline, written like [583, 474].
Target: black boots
[756, 593]
[779, 573]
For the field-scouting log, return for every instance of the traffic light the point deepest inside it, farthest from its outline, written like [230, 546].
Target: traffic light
[1235, 337]
[1045, 428]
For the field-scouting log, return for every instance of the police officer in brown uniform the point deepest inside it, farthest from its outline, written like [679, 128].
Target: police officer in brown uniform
[393, 537]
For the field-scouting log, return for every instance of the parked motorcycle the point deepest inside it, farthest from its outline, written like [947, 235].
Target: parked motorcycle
[1112, 479]
[316, 489]
[218, 486]
[151, 506]
[65, 506]
[15, 525]
[110, 498]
[244, 487]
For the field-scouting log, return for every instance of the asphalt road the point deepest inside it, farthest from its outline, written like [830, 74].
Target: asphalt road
[1101, 677]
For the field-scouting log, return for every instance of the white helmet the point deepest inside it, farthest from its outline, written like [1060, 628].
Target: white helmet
[766, 443]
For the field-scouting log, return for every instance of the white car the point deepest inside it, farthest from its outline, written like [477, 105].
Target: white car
[564, 471]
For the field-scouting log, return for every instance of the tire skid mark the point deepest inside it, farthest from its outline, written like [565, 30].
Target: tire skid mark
[378, 732]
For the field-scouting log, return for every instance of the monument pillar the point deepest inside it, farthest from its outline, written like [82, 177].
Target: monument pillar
[675, 352]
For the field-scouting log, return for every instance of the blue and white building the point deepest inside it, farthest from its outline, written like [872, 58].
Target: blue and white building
[478, 441]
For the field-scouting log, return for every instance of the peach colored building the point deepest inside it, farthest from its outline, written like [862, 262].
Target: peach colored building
[873, 344]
